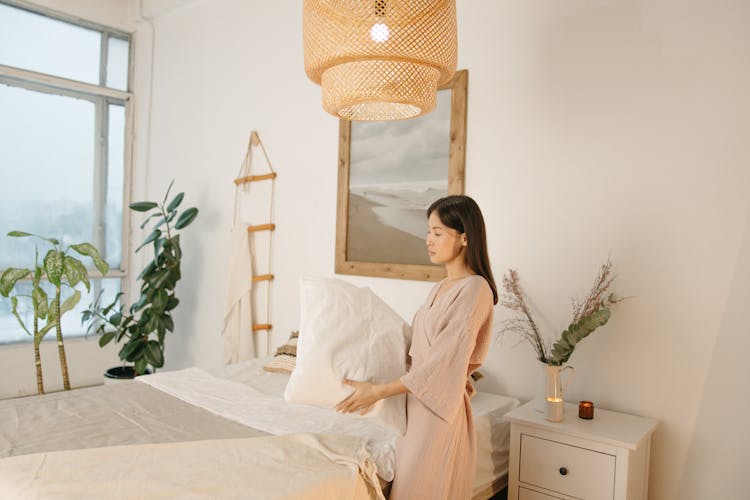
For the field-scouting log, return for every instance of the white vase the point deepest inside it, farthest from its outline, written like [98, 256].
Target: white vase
[550, 384]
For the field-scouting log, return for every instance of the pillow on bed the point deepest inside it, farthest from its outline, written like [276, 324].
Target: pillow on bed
[285, 357]
[348, 332]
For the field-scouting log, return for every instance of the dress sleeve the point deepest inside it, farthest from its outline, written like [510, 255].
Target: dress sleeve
[439, 380]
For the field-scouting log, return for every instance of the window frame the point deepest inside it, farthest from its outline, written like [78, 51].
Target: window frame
[102, 97]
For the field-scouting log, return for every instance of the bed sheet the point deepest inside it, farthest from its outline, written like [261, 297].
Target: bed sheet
[107, 415]
[493, 432]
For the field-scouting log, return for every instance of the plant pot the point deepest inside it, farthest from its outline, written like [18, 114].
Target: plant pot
[120, 374]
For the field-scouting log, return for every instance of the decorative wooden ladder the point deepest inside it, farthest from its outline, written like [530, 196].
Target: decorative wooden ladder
[270, 226]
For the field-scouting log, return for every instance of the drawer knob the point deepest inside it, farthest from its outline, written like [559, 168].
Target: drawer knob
[563, 471]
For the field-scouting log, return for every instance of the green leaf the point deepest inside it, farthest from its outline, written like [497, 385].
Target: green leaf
[563, 348]
[153, 324]
[155, 214]
[168, 322]
[115, 319]
[111, 306]
[175, 202]
[143, 206]
[138, 305]
[177, 251]
[151, 237]
[132, 350]
[70, 302]
[40, 300]
[9, 278]
[166, 220]
[151, 267]
[186, 218]
[160, 300]
[158, 279]
[154, 354]
[23, 234]
[53, 266]
[14, 302]
[76, 272]
[172, 303]
[120, 335]
[140, 366]
[160, 223]
[38, 273]
[90, 251]
[106, 338]
[158, 246]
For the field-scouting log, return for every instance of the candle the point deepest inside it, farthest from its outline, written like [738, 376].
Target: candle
[586, 410]
[554, 409]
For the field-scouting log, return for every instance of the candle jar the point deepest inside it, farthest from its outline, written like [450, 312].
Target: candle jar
[554, 410]
[586, 410]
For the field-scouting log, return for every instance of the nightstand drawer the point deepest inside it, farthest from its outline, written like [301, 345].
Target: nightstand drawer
[566, 469]
[524, 494]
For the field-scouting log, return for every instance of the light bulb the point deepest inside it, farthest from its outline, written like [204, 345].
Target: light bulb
[379, 32]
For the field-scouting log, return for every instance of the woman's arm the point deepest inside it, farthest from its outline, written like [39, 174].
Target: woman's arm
[366, 394]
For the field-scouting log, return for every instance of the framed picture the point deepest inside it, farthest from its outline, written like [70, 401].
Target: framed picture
[389, 174]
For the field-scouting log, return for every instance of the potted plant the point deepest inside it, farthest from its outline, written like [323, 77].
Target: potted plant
[63, 270]
[142, 326]
[588, 315]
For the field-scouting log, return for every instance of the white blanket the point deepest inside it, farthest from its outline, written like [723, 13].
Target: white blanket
[303, 466]
[270, 413]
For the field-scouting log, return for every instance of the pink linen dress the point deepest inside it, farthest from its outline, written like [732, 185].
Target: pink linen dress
[436, 458]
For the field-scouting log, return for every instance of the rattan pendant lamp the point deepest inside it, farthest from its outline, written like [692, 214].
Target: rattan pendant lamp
[379, 59]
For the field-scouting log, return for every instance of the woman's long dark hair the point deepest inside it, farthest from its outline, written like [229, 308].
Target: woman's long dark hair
[462, 214]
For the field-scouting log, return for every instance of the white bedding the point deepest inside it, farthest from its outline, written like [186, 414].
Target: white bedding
[293, 466]
[244, 404]
[245, 393]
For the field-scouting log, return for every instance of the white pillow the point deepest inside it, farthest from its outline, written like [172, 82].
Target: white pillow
[348, 332]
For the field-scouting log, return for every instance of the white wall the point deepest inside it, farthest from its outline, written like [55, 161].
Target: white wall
[595, 128]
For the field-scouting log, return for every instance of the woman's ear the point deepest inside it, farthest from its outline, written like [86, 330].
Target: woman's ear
[464, 242]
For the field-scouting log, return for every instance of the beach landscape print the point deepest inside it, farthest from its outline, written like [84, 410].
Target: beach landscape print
[394, 171]
[397, 169]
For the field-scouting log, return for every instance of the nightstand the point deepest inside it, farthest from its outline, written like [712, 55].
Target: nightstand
[603, 458]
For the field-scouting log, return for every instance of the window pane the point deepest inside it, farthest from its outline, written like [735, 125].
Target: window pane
[11, 331]
[39, 43]
[117, 64]
[47, 163]
[115, 186]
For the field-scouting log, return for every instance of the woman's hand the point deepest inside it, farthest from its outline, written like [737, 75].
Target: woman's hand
[364, 396]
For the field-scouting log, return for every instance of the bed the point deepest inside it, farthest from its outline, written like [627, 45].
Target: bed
[193, 434]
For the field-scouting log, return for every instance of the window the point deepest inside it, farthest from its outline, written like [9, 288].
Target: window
[64, 107]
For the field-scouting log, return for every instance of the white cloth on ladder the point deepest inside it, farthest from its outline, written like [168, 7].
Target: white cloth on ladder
[238, 322]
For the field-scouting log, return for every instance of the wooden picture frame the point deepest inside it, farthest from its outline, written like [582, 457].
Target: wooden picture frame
[346, 262]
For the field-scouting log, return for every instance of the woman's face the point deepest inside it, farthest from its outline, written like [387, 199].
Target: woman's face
[444, 244]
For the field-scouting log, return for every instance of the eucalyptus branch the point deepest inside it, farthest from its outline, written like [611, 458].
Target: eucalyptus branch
[588, 315]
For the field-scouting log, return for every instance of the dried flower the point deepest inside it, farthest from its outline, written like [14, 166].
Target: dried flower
[588, 315]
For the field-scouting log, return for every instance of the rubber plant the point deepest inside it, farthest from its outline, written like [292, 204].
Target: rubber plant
[142, 326]
[63, 270]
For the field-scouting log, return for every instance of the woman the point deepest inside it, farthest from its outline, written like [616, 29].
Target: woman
[436, 457]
